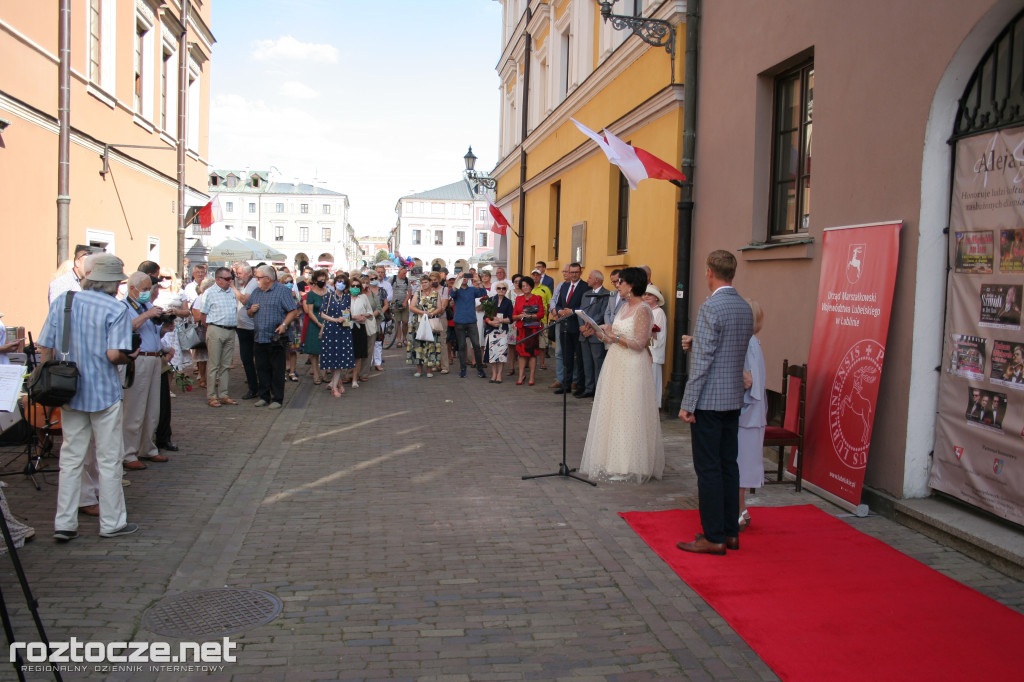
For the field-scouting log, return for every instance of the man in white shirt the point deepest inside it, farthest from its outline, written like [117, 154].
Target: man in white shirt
[245, 284]
[69, 281]
[189, 293]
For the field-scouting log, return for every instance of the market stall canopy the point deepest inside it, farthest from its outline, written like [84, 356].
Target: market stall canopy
[244, 249]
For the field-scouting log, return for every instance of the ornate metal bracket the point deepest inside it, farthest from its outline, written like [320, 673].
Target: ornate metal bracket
[656, 32]
[482, 179]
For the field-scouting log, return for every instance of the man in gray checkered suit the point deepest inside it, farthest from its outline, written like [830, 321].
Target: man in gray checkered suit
[712, 402]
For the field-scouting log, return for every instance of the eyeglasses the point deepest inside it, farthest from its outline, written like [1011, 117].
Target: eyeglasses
[226, 279]
[501, 288]
[165, 279]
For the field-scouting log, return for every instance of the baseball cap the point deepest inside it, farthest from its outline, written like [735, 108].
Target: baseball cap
[105, 267]
[535, 271]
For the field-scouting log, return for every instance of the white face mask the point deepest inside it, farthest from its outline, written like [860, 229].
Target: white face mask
[340, 286]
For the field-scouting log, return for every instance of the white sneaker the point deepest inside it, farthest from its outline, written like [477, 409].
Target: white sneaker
[418, 374]
[429, 375]
[260, 403]
[274, 406]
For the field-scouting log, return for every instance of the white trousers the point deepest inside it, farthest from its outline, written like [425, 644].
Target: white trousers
[142, 410]
[78, 429]
[378, 353]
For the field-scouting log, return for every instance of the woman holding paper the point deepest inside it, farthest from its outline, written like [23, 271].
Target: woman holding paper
[528, 313]
[624, 439]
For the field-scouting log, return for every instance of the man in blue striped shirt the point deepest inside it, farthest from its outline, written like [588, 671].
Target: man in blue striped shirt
[101, 337]
[272, 308]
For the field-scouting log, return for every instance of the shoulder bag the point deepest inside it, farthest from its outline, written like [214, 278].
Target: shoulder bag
[55, 382]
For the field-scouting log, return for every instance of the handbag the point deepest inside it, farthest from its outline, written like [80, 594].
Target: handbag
[436, 324]
[190, 335]
[55, 382]
[424, 331]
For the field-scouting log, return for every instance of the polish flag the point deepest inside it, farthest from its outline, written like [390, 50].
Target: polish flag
[635, 163]
[211, 213]
[501, 224]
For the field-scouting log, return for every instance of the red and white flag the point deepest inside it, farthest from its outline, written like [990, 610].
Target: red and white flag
[211, 213]
[635, 163]
[501, 223]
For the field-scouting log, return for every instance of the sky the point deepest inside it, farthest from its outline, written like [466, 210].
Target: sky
[376, 99]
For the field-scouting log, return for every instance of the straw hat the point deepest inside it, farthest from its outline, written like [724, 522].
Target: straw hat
[655, 291]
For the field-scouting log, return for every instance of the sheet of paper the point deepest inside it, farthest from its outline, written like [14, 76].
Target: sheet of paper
[586, 319]
[11, 380]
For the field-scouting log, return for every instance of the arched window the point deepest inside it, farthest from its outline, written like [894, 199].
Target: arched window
[994, 97]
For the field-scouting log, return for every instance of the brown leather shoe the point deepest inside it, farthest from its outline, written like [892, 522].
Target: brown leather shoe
[557, 384]
[90, 510]
[701, 545]
[227, 401]
[156, 458]
[730, 542]
[134, 466]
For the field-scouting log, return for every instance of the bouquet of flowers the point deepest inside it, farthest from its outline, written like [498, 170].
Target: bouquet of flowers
[487, 305]
[183, 381]
[654, 330]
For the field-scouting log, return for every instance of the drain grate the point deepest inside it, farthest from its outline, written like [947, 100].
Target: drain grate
[211, 613]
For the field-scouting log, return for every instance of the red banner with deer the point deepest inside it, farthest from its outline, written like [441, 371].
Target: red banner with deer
[851, 326]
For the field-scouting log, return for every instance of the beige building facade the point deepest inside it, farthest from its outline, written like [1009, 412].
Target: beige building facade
[123, 106]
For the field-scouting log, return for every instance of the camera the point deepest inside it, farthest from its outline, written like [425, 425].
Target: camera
[136, 343]
[166, 318]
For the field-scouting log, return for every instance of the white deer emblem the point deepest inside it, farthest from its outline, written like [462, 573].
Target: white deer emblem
[855, 262]
[857, 403]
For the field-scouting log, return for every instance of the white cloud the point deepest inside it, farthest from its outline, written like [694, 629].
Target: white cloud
[297, 90]
[287, 47]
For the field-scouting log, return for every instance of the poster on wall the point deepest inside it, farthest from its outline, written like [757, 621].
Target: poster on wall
[851, 326]
[979, 434]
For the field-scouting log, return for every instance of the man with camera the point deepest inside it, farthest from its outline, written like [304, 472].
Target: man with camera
[272, 308]
[142, 400]
[100, 338]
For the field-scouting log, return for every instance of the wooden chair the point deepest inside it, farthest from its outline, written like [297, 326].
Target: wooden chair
[792, 410]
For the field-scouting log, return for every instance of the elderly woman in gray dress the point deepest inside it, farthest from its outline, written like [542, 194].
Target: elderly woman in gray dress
[753, 417]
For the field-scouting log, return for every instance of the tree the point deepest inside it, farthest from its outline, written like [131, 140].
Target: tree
[381, 255]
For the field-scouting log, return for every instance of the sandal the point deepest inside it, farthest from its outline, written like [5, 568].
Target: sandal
[317, 381]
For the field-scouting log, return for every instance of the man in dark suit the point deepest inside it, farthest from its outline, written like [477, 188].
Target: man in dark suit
[711, 404]
[595, 302]
[615, 300]
[570, 299]
[545, 278]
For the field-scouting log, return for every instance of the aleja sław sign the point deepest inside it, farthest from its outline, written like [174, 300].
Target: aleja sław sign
[851, 325]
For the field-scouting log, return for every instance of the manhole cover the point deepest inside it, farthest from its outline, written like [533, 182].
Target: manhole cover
[211, 613]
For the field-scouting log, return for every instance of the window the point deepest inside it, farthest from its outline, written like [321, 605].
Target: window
[416, 237]
[168, 99]
[192, 118]
[622, 221]
[481, 239]
[232, 181]
[252, 207]
[303, 234]
[437, 209]
[252, 231]
[229, 206]
[279, 233]
[279, 208]
[326, 209]
[140, 37]
[214, 181]
[255, 181]
[791, 152]
[325, 234]
[304, 208]
[481, 215]
[563, 72]
[228, 228]
[556, 219]
[460, 238]
[438, 238]
[95, 40]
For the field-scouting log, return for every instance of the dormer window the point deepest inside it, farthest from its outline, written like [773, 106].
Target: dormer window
[255, 181]
[214, 181]
[232, 181]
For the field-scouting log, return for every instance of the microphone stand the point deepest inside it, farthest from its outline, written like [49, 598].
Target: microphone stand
[563, 468]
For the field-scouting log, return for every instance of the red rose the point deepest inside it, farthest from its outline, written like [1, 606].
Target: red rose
[655, 329]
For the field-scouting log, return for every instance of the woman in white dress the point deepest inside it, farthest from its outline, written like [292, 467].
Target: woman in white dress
[656, 300]
[624, 439]
[753, 417]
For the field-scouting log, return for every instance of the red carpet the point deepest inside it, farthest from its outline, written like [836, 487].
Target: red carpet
[820, 601]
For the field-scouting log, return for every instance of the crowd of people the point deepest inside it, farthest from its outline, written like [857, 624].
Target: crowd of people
[138, 335]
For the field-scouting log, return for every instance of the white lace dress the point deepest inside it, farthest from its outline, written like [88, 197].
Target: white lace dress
[624, 439]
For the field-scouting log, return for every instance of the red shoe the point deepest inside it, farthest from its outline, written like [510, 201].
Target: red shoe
[519, 383]
[530, 383]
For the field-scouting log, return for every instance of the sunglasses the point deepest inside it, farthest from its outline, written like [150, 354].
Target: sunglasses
[501, 288]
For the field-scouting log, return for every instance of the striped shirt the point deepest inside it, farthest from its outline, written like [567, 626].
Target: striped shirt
[220, 306]
[99, 323]
[275, 304]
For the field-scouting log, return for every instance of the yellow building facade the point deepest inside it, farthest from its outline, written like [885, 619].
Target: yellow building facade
[123, 100]
[560, 62]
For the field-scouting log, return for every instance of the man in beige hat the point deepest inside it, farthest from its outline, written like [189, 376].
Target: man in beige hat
[100, 339]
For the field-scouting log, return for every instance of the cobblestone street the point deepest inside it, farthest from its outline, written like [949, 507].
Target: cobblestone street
[394, 526]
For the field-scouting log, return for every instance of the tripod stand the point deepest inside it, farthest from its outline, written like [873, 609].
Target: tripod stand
[563, 468]
[39, 441]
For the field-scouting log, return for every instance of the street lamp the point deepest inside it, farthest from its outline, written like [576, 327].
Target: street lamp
[481, 179]
[656, 32]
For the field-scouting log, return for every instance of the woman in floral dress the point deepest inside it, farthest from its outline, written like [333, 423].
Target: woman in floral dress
[420, 353]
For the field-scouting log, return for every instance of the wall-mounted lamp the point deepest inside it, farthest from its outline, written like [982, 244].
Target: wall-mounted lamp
[3, 124]
[656, 32]
[481, 179]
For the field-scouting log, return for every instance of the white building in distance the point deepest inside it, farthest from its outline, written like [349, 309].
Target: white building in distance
[447, 226]
[307, 223]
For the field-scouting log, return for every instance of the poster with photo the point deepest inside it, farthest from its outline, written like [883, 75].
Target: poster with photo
[967, 356]
[1008, 364]
[1011, 251]
[975, 252]
[1000, 305]
[985, 408]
